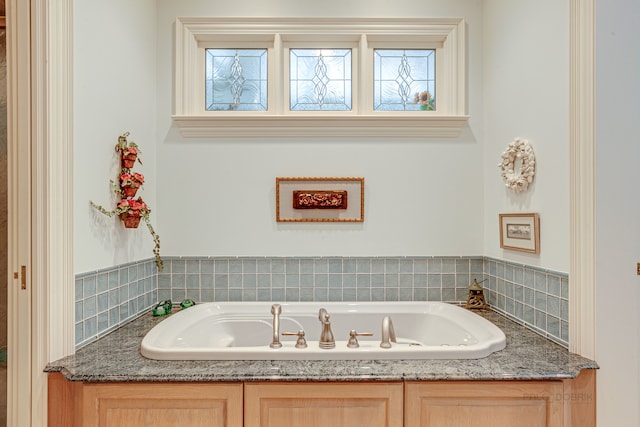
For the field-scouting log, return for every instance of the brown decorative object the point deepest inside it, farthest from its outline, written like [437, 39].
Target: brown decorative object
[128, 160]
[319, 199]
[475, 298]
[299, 200]
[130, 182]
[130, 191]
[130, 221]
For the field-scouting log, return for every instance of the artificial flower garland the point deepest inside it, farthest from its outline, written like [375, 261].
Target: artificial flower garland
[128, 209]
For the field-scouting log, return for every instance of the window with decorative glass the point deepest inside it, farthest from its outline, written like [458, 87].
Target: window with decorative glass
[320, 79]
[404, 80]
[236, 79]
[335, 77]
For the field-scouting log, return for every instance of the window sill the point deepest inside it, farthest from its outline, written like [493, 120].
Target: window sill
[358, 126]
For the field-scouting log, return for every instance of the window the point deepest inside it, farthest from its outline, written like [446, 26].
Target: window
[355, 77]
[236, 79]
[320, 79]
[404, 80]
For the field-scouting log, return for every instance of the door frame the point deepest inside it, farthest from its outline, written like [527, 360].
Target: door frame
[40, 180]
[582, 178]
[18, 216]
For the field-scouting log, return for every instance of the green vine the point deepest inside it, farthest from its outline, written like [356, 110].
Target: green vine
[156, 241]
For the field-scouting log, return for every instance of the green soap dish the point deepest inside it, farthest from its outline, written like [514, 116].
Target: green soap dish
[159, 310]
[162, 308]
[187, 303]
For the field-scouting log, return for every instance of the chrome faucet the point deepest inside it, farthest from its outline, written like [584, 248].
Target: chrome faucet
[388, 333]
[276, 309]
[326, 337]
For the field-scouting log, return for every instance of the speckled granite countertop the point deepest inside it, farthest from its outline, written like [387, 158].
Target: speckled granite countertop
[116, 358]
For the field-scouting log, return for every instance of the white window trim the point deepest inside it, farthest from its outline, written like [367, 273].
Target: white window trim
[194, 35]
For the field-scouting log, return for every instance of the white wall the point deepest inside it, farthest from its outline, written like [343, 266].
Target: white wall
[427, 197]
[422, 197]
[526, 92]
[618, 204]
[114, 92]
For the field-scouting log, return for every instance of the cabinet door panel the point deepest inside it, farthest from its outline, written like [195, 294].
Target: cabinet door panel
[484, 404]
[482, 412]
[167, 405]
[160, 412]
[321, 405]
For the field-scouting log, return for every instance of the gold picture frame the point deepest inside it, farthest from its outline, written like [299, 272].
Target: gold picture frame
[317, 199]
[520, 232]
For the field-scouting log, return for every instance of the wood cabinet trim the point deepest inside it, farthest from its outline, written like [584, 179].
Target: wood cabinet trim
[579, 399]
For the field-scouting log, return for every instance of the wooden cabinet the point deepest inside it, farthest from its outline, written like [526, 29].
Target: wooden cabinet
[323, 404]
[144, 404]
[568, 403]
[504, 403]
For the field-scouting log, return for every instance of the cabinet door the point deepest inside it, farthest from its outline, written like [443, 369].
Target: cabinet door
[166, 405]
[484, 404]
[323, 404]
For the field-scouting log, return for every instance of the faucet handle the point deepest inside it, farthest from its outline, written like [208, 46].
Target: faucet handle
[323, 316]
[353, 341]
[301, 342]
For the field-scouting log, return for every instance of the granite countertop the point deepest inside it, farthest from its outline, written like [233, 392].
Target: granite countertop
[116, 358]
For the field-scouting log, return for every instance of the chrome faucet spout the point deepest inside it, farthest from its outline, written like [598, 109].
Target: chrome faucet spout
[276, 309]
[326, 336]
[388, 333]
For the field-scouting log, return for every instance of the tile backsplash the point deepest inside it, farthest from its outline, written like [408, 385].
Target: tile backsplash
[534, 297]
[108, 298]
[318, 279]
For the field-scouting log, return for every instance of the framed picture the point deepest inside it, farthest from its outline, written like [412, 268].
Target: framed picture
[319, 199]
[520, 232]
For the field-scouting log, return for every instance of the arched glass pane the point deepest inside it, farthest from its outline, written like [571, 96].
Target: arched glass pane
[404, 80]
[236, 79]
[320, 79]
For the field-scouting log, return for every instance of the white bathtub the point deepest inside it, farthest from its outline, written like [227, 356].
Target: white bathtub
[243, 331]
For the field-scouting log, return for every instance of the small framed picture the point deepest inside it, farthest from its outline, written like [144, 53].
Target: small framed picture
[520, 232]
[319, 199]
